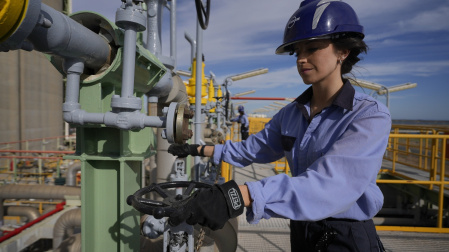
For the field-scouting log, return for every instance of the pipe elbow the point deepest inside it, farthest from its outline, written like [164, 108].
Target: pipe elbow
[75, 116]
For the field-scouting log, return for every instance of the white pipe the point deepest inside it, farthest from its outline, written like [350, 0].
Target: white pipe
[71, 174]
[31, 213]
[65, 225]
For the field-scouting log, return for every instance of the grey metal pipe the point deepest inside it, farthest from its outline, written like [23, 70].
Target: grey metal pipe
[71, 244]
[199, 63]
[192, 46]
[74, 68]
[155, 121]
[135, 120]
[154, 24]
[31, 213]
[72, 87]
[129, 58]
[163, 87]
[37, 191]
[73, 114]
[71, 174]
[65, 225]
[69, 39]
[164, 161]
[96, 118]
[178, 93]
[173, 33]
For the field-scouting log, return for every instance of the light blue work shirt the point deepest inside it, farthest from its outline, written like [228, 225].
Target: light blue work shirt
[334, 159]
[243, 120]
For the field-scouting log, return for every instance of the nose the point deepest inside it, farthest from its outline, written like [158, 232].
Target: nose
[300, 55]
[301, 59]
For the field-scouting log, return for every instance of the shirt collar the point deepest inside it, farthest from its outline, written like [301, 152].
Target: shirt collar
[344, 98]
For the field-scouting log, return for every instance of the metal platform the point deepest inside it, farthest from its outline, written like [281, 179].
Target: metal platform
[274, 234]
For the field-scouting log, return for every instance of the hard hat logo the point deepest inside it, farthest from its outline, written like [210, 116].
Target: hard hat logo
[235, 199]
[293, 21]
[318, 12]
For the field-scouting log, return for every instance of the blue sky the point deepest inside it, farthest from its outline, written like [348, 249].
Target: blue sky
[408, 40]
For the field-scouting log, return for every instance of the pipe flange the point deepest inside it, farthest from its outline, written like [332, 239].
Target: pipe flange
[171, 119]
[182, 131]
[133, 103]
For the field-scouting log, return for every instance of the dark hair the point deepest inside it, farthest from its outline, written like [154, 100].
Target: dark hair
[355, 44]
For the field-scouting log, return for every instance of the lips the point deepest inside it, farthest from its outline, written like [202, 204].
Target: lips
[305, 70]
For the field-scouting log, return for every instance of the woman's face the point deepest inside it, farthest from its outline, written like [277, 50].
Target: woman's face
[317, 61]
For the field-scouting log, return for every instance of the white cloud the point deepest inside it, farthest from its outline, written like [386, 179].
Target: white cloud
[405, 68]
[434, 20]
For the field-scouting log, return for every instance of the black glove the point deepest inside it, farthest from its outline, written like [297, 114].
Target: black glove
[183, 150]
[210, 207]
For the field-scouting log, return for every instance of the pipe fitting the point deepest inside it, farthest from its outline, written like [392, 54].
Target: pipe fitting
[124, 120]
[132, 120]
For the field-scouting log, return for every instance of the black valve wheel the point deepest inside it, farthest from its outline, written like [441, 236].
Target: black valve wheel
[169, 202]
[203, 13]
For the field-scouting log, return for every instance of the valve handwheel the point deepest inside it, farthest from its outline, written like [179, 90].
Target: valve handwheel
[169, 203]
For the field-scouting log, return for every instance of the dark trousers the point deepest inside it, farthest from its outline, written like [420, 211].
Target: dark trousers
[244, 135]
[334, 235]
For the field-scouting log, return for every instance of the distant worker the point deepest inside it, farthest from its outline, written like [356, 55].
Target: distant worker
[242, 118]
[333, 138]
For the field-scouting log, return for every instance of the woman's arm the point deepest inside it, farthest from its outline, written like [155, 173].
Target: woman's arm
[208, 150]
[246, 195]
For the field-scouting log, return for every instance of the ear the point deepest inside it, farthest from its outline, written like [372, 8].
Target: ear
[343, 54]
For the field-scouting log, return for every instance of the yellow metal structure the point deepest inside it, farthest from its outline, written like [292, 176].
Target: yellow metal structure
[257, 124]
[432, 157]
[211, 94]
[281, 166]
[12, 13]
[219, 92]
[191, 85]
[226, 169]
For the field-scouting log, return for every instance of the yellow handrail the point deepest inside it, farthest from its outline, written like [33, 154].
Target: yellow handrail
[427, 149]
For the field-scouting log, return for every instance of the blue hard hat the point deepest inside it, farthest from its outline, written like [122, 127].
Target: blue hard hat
[317, 19]
[241, 108]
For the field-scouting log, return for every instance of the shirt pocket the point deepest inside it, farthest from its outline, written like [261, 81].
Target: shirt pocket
[287, 142]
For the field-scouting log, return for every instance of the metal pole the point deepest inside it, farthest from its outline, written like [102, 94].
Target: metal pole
[199, 64]
[192, 46]
[173, 33]
[129, 61]
[154, 21]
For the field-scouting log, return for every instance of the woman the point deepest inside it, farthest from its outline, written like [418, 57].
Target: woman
[333, 138]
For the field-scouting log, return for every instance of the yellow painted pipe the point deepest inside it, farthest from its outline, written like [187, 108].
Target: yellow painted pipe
[12, 13]
[413, 229]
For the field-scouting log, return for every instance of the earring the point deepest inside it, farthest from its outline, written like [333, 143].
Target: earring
[341, 61]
